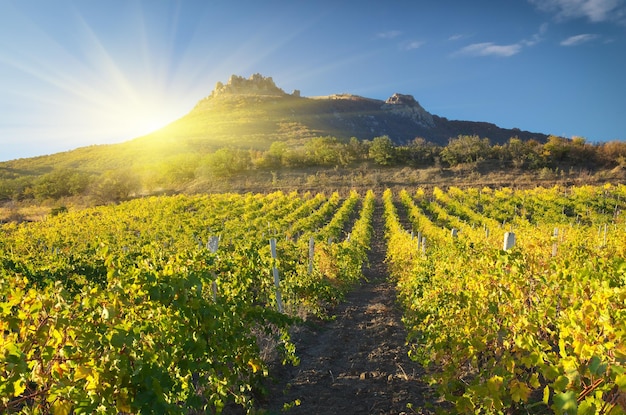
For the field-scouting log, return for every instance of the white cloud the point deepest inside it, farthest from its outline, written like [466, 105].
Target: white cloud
[537, 37]
[414, 44]
[402, 44]
[389, 34]
[594, 10]
[579, 39]
[490, 49]
[456, 37]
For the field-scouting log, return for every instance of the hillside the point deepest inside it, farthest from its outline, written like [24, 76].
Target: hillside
[254, 112]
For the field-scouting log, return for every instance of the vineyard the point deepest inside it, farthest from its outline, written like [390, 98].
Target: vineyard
[514, 301]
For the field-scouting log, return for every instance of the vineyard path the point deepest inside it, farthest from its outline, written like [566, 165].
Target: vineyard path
[357, 363]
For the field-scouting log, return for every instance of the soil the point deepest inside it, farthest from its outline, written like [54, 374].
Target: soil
[357, 363]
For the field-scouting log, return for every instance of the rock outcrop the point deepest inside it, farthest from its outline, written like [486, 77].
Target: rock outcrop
[406, 106]
[257, 84]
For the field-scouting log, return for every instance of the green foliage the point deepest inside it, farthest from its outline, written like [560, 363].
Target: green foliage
[16, 189]
[61, 183]
[557, 148]
[125, 309]
[465, 149]
[226, 162]
[115, 186]
[326, 151]
[536, 329]
[382, 151]
[523, 154]
[418, 153]
[276, 155]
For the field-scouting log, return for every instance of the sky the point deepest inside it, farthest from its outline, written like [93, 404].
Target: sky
[85, 72]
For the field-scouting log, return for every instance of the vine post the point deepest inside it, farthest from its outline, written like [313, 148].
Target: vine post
[279, 300]
[213, 244]
[311, 253]
[509, 241]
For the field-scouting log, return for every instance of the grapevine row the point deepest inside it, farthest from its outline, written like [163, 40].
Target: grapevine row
[518, 330]
[126, 309]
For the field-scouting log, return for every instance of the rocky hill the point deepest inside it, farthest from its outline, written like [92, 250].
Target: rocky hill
[254, 112]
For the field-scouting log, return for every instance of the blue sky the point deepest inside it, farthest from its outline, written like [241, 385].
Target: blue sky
[76, 73]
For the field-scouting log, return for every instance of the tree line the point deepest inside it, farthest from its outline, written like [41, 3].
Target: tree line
[319, 152]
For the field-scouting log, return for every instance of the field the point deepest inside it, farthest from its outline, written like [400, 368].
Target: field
[185, 304]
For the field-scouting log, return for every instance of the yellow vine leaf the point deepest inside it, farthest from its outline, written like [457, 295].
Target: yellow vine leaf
[494, 384]
[254, 365]
[546, 395]
[92, 381]
[519, 391]
[81, 372]
[61, 407]
[122, 404]
[19, 386]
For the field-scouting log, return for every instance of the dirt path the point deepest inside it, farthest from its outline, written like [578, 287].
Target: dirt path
[357, 363]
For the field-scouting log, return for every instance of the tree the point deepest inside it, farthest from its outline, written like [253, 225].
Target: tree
[357, 150]
[61, 183]
[465, 149]
[581, 152]
[16, 189]
[180, 168]
[613, 153]
[324, 151]
[382, 151]
[556, 149]
[115, 186]
[275, 156]
[419, 152]
[226, 162]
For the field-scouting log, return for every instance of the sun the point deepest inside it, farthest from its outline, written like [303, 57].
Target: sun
[116, 116]
[146, 119]
[95, 82]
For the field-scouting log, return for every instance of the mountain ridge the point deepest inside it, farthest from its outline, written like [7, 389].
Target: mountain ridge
[400, 117]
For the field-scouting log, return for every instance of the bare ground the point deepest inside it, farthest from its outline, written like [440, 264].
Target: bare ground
[357, 363]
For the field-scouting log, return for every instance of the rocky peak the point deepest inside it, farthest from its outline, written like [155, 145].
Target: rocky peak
[406, 106]
[402, 99]
[257, 84]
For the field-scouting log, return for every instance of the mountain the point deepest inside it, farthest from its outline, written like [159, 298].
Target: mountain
[254, 112]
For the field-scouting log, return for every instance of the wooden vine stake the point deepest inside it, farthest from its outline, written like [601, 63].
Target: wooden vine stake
[212, 245]
[279, 300]
[555, 244]
[311, 253]
[509, 241]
